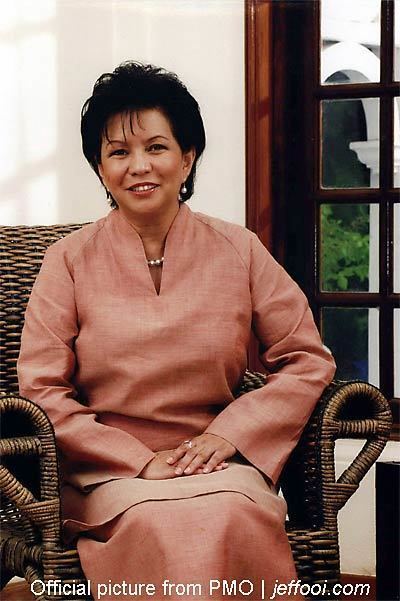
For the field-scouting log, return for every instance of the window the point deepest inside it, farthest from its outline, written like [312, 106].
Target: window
[332, 71]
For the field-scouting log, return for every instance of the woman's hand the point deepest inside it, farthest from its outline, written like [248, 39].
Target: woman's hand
[159, 469]
[202, 454]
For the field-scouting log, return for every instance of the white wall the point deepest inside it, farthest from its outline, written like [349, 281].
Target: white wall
[52, 51]
[357, 518]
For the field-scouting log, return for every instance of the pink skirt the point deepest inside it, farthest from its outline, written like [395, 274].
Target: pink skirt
[216, 536]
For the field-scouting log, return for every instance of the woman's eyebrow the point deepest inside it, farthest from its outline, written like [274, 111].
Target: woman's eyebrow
[147, 141]
[115, 142]
[157, 136]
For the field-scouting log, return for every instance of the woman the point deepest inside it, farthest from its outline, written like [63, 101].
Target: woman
[136, 334]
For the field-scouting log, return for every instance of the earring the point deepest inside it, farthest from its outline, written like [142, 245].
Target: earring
[183, 188]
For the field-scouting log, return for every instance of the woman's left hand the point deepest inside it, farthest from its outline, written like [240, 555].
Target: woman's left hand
[208, 449]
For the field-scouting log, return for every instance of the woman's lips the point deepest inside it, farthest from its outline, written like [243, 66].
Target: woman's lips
[143, 189]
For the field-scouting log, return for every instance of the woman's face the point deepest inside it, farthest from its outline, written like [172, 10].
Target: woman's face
[142, 164]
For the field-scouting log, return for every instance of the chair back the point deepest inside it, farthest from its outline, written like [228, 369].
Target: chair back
[21, 254]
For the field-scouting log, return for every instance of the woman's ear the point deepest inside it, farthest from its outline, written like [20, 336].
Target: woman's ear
[188, 159]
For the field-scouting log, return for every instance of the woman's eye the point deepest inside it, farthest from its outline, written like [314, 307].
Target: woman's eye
[118, 152]
[156, 147]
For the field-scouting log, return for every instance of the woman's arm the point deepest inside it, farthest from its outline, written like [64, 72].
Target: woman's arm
[264, 425]
[92, 452]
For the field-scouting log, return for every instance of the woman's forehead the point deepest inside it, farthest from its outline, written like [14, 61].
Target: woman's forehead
[136, 122]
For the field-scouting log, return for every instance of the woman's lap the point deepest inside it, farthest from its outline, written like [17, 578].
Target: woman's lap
[201, 543]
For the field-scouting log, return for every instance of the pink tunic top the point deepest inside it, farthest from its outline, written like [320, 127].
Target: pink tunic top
[151, 370]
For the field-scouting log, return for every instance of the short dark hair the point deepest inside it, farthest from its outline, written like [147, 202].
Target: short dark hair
[135, 86]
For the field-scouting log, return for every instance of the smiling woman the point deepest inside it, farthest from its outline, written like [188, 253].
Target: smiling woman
[141, 160]
[144, 148]
[135, 340]
[143, 169]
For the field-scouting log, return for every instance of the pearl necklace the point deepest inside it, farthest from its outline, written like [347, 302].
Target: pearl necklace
[155, 262]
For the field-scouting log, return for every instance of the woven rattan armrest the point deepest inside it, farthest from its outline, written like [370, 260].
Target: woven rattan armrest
[353, 410]
[30, 544]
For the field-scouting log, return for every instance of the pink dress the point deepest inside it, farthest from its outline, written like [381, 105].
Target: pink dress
[151, 370]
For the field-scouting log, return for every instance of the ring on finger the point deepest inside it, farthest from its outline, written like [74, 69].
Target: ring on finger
[189, 443]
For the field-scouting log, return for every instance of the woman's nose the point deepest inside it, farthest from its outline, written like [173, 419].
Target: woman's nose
[139, 163]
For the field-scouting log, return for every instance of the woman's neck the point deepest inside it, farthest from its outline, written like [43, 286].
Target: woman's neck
[153, 231]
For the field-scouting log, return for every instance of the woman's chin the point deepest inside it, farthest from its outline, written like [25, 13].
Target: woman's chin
[151, 206]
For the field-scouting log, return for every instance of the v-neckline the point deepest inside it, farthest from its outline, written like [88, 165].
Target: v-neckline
[149, 268]
[134, 240]
[171, 227]
[156, 281]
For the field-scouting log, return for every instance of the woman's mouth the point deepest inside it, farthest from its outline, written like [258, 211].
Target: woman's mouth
[143, 189]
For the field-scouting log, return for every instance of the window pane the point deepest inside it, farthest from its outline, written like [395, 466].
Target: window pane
[350, 143]
[349, 248]
[396, 330]
[352, 335]
[350, 39]
[396, 249]
[397, 40]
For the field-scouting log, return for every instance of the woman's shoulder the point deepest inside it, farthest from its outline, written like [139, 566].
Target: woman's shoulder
[72, 244]
[243, 240]
[228, 229]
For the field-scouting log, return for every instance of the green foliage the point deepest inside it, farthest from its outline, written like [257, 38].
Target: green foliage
[345, 267]
[345, 247]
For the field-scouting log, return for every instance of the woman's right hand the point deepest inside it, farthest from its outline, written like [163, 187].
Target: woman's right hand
[159, 469]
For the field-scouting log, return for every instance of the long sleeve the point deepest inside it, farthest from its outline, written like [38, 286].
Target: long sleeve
[91, 451]
[265, 424]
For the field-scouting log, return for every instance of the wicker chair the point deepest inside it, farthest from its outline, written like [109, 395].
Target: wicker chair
[31, 543]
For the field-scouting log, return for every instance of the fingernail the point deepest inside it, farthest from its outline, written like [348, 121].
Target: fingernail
[178, 471]
[170, 460]
[187, 470]
[206, 469]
